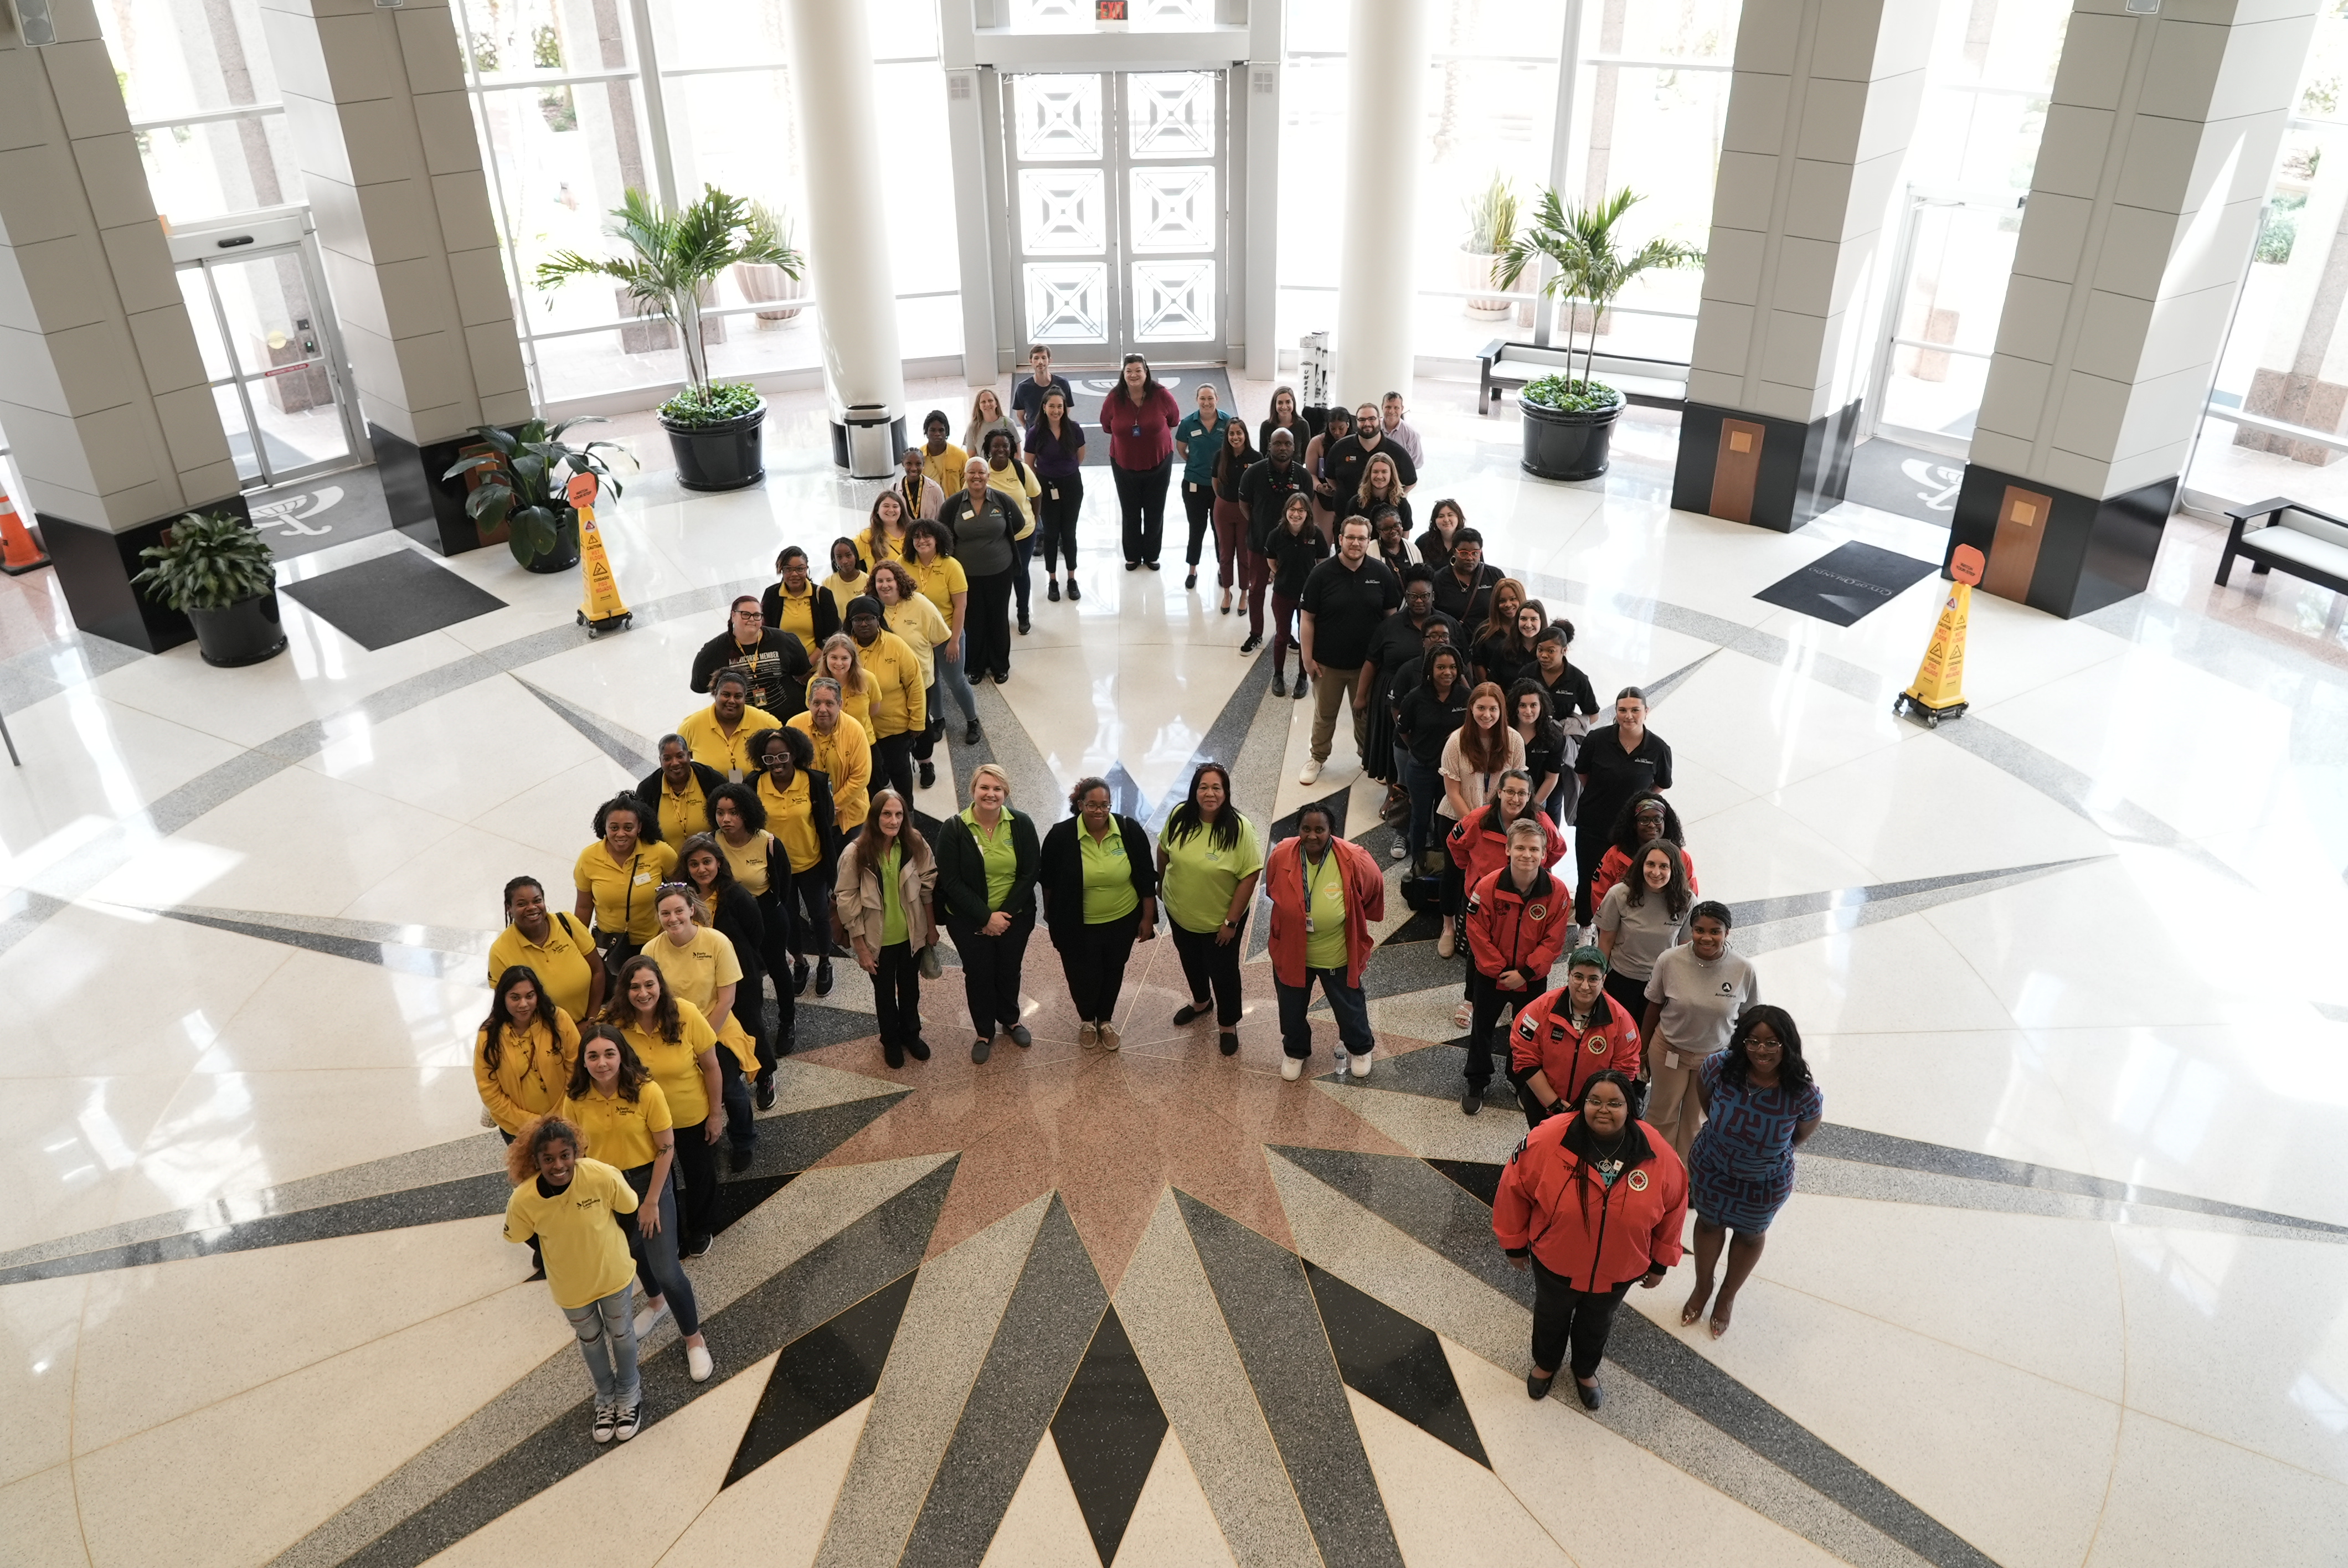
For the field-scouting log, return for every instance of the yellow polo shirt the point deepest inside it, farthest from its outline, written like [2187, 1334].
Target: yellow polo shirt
[712, 747]
[945, 467]
[842, 589]
[1005, 481]
[619, 1131]
[577, 1232]
[790, 817]
[561, 964]
[685, 812]
[899, 707]
[624, 893]
[694, 970]
[844, 756]
[748, 862]
[856, 704]
[939, 581]
[799, 615]
[533, 1070]
[676, 1067]
[919, 627]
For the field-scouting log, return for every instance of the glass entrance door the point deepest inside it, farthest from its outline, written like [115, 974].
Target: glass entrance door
[1955, 254]
[1116, 198]
[272, 361]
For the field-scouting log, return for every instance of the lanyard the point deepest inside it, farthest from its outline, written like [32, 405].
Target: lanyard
[1308, 876]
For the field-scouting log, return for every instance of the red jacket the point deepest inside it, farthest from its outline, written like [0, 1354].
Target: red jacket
[1613, 865]
[1366, 900]
[1479, 848]
[1511, 930]
[1545, 1039]
[1596, 1237]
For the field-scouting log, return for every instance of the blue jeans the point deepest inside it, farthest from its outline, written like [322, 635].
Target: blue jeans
[658, 1269]
[1425, 785]
[607, 1338]
[1346, 1001]
[952, 679]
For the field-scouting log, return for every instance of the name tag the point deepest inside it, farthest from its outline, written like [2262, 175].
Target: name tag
[642, 877]
[734, 775]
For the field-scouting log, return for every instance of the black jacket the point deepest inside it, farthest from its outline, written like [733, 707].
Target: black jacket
[779, 672]
[650, 787]
[960, 891]
[1266, 495]
[820, 809]
[1062, 873]
[827, 614]
[740, 923]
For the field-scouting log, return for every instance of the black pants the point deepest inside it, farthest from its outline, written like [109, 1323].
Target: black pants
[741, 1131]
[990, 971]
[1633, 994]
[925, 744]
[1094, 958]
[1055, 519]
[892, 764]
[1212, 968]
[778, 906]
[1565, 1319]
[1141, 505]
[812, 928]
[1198, 509]
[986, 630]
[1489, 1001]
[1588, 848]
[896, 995]
[1023, 551]
[697, 1173]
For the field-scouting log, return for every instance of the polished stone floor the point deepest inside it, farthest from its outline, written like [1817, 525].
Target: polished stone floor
[2063, 1281]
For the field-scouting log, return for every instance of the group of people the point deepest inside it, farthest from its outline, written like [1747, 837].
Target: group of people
[631, 1034]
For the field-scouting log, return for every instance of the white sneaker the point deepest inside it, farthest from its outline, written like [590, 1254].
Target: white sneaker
[630, 1418]
[648, 1317]
[1400, 851]
[1361, 1064]
[698, 1364]
[1341, 1062]
[1292, 1068]
[1311, 772]
[607, 1416]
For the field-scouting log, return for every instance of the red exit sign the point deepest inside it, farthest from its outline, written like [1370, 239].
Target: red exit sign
[1109, 10]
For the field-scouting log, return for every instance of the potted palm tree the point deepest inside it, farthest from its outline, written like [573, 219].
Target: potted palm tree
[673, 257]
[1569, 420]
[1491, 230]
[215, 570]
[519, 485]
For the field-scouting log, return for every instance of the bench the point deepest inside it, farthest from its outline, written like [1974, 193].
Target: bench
[2302, 542]
[1648, 383]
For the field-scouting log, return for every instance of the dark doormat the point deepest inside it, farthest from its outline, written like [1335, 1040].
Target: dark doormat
[1906, 481]
[1847, 582]
[1091, 387]
[391, 599]
[311, 514]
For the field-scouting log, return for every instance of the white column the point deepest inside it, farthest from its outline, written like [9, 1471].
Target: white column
[847, 234]
[1377, 272]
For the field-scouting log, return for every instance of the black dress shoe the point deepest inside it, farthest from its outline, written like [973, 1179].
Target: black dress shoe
[1191, 581]
[1593, 1396]
[891, 1053]
[1023, 625]
[823, 977]
[1074, 592]
[929, 774]
[1133, 565]
[970, 733]
[1538, 1386]
[798, 976]
[1191, 1012]
[1151, 564]
[1473, 1101]
[1228, 1042]
[918, 1049]
[1278, 684]
[1002, 677]
[741, 1160]
[1051, 591]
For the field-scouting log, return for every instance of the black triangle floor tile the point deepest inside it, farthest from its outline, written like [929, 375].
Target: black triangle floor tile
[1474, 1176]
[738, 1196]
[1394, 1362]
[1286, 826]
[1110, 1427]
[824, 1372]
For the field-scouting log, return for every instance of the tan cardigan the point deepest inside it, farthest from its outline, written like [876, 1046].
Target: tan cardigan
[856, 897]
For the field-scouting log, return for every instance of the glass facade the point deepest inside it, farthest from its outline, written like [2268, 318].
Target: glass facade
[202, 96]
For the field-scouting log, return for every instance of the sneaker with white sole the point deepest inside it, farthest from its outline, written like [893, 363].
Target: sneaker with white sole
[607, 1416]
[1109, 1038]
[1341, 1062]
[698, 1364]
[1292, 1068]
[648, 1319]
[1088, 1036]
[630, 1418]
[1311, 772]
[1361, 1064]
[1400, 851]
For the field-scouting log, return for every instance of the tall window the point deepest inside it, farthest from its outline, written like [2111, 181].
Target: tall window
[202, 96]
[571, 118]
[2277, 419]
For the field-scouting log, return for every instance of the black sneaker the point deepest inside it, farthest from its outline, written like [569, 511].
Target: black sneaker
[1251, 644]
[1190, 581]
[918, 1049]
[1278, 684]
[823, 977]
[1023, 623]
[1052, 591]
[1002, 677]
[1074, 592]
[1019, 1035]
[1472, 1100]
[929, 774]
[698, 1246]
[970, 733]
[1133, 565]
[630, 1417]
[741, 1160]
[892, 1053]
[763, 1095]
[981, 1048]
[1151, 564]
[607, 1418]
[798, 976]
[1301, 687]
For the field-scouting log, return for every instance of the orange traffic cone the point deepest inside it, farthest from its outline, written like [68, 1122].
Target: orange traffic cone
[18, 553]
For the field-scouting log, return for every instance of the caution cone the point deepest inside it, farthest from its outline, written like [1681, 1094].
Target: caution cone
[18, 553]
[602, 609]
[1938, 692]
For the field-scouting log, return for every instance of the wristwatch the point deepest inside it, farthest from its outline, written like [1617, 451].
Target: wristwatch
[1230, 925]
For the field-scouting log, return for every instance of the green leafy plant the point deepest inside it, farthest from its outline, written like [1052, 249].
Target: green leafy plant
[207, 561]
[712, 404]
[672, 256]
[522, 480]
[1493, 218]
[1569, 395]
[1586, 244]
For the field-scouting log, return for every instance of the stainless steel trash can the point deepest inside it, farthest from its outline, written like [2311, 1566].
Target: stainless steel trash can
[871, 447]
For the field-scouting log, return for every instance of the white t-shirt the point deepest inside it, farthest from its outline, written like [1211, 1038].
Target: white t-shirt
[1701, 1002]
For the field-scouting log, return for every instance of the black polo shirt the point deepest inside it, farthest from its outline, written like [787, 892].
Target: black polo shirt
[1346, 608]
[1342, 464]
[1610, 776]
[1265, 491]
[1468, 606]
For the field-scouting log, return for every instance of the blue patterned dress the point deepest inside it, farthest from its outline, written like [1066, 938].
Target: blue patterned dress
[1741, 1168]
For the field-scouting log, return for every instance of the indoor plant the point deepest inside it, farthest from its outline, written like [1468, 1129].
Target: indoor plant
[673, 257]
[1491, 230]
[521, 486]
[218, 572]
[1569, 420]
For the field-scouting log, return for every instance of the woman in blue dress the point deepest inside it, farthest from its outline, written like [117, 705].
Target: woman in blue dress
[1760, 1105]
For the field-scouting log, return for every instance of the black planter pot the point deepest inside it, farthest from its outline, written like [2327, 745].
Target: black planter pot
[246, 632]
[1566, 445]
[728, 456]
[565, 553]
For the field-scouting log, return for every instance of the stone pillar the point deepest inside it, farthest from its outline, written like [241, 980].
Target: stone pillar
[102, 390]
[376, 110]
[1377, 271]
[847, 228]
[2159, 140]
[1819, 113]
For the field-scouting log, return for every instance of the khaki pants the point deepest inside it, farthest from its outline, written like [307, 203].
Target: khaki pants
[1672, 1108]
[1336, 686]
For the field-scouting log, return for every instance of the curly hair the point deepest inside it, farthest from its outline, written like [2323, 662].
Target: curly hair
[647, 823]
[521, 1154]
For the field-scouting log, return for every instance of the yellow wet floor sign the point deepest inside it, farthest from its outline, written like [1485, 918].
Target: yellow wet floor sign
[602, 609]
[1938, 692]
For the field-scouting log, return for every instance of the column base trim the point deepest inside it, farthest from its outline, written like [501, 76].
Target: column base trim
[95, 567]
[2057, 550]
[1759, 469]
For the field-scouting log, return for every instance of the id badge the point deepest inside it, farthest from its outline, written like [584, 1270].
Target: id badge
[1671, 1059]
[1309, 927]
[734, 775]
[1055, 492]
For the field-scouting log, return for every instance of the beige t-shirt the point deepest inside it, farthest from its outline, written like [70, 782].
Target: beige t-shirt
[1476, 788]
